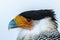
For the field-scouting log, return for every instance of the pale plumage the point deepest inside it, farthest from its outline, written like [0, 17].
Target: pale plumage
[43, 25]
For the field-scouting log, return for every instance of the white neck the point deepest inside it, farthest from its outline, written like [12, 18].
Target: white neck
[45, 24]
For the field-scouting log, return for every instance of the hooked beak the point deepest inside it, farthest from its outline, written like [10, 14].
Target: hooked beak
[20, 22]
[12, 24]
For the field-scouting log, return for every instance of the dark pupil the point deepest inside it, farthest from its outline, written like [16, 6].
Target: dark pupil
[28, 20]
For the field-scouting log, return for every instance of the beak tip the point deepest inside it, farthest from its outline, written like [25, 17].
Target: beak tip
[11, 25]
[9, 28]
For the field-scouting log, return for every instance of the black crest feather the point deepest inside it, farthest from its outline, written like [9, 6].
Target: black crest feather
[39, 14]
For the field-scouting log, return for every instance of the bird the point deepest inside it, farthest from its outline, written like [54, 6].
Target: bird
[36, 25]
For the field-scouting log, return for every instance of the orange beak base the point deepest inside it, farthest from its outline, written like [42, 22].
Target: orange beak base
[22, 22]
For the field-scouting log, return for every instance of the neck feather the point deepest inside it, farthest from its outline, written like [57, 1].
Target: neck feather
[45, 24]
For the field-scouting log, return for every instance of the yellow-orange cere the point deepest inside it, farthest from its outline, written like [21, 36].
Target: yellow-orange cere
[22, 22]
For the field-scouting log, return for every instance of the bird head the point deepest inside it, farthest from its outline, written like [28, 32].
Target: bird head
[26, 19]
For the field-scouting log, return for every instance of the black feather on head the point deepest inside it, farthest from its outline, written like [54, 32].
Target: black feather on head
[39, 14]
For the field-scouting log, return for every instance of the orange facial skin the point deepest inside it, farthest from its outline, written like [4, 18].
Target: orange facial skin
[22, 22]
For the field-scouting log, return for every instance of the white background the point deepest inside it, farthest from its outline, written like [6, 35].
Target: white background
[11, 8]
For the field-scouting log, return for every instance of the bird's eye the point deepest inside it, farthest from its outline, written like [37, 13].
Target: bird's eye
[28, 20]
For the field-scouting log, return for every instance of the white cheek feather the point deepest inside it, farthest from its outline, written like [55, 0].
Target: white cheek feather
[42, 25]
